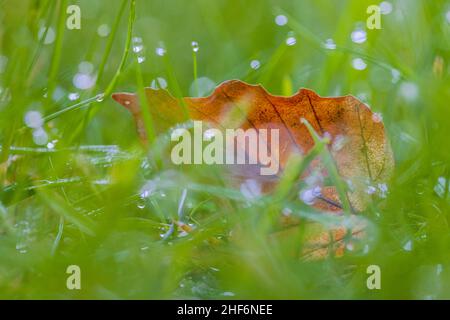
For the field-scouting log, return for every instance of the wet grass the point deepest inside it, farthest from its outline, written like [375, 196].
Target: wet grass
[79, 189]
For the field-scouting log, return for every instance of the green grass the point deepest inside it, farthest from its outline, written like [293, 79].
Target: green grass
[79, 203]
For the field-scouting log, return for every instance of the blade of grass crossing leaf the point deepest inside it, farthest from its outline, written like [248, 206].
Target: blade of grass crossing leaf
[126, 50]
[48, 7]
[76, 106]
[332, 169]
[194, 62]
[176, 86]
[110, 42]
[92, 111]
[57, 52]
[148, 121]
[272, 63]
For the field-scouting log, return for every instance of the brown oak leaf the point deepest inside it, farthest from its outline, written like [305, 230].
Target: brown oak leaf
[358, 142]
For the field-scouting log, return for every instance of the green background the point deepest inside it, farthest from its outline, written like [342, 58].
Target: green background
[82, 206]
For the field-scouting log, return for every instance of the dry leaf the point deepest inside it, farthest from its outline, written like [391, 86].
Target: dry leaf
[358, 142]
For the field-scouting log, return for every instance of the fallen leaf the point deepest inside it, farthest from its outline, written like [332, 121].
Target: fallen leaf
[357, 140]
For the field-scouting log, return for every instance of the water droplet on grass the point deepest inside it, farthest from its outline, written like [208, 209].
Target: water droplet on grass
[83, 81]
[85, 67]
[49, 37]
[250, 189]
[195, 46]
[396, 75]
[51, 144]
[440, 186]
[371, 190]
[408, 246]
[160, 51]
[33, 119]
[385, 7]
[377, 117]
[358, 64]
[3, 63]
[281, 20]
[159, 83]
[201, 87]
[74, 96]
[100, 97]
[138, 48]
[359, 36]
[40, 137]
[255, 64]
[103, 30]
[290, 41]
[409, 91]
[141, 205]
[329, 44]
[383, 189]
[137, 44]
[309, 196]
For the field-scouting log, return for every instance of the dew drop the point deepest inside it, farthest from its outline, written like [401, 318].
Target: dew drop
[58, 94]
[208, 135]
[160, 51]
[358, 64]
[440, 186]
[329, 44]
[3, 63]
[383, 189]
[439, 269]
[137, 44]
[286, 212]
[228, 294]
[33, 119]
[309, 196]
[338, 142]
[103, 30]
[366, 249]
[255, 64]
[281, 20]
[396, 75]
[159, 83]
[49, 37]
[195, 46]
[141, 205]
[201, 87]
[409, 91]
[138, 48]
[100, 97]
[377, 117]
[359, 36]
[85, 67]
[385, 7]
[73, 96]
[371, 190]
[290, 41]
[83, 81]
[408, 246]
[40, 137]
[251, 189]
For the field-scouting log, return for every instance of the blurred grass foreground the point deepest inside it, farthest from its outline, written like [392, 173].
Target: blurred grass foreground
[77, 187]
